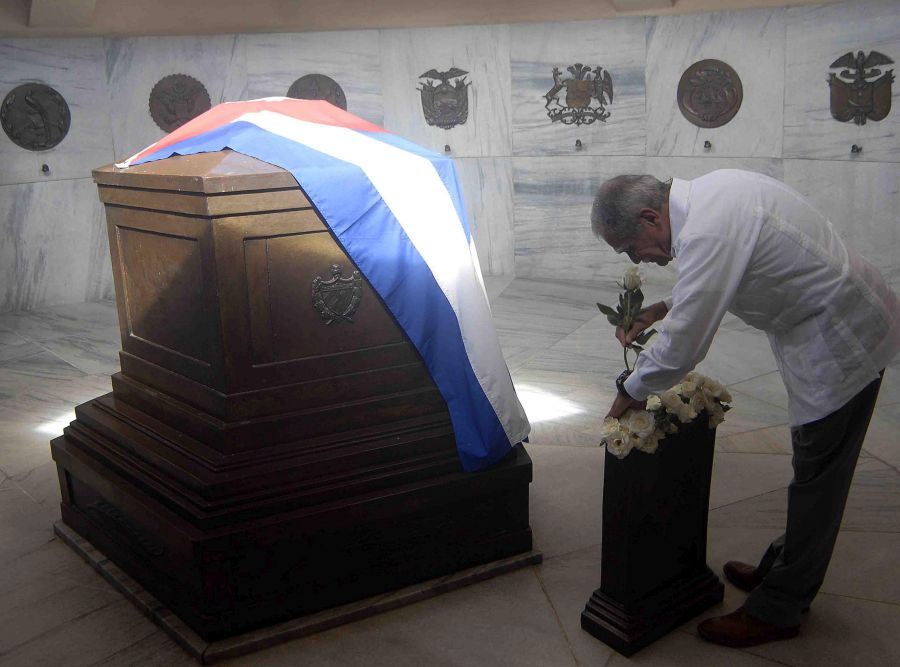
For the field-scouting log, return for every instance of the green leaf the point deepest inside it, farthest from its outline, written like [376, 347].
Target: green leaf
[615, 321]
[637, 299]
[606, 310]
[644, 337]
[620, 311]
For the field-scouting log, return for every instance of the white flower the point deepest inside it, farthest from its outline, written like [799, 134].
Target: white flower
[716, 415]
[610, 425]
[618, 444]
[639, 422]
[653, 403]
[725, 397]
[632, 278]
[713, 387]
[649, 444]
[690, 384]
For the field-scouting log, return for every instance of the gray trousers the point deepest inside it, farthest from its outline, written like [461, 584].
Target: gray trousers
[825, 454]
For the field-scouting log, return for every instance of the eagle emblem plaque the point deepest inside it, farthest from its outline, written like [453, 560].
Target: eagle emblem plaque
[861, 91]
[587, 92]
[710, 93]
[337, 299]
[176, 99]
[35, 117]
[445, 104]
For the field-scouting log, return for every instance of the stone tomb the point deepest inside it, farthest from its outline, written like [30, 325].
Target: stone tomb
[254, 462]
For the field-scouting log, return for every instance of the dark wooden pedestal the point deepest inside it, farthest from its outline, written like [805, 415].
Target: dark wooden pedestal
[653, 569]
[256, 461]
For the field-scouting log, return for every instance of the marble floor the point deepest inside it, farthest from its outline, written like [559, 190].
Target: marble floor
[55, 610]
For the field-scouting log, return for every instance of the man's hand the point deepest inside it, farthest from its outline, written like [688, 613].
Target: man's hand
[644, 320]
[622, 403]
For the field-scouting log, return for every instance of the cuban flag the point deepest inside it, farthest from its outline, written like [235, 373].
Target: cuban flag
[397, 210]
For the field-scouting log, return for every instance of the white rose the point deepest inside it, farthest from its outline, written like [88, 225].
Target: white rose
[632, 278]
[618, 444]
[687, 414]
[716, 416]
[640, 422]
[610, 425]
[698, 401]
[726, 397]
[689, 386]
[649, 444]
[713, 387]
[653, 403]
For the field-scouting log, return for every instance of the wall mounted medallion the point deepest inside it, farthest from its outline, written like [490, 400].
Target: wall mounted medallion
[861, 91]
[710, 93]
[445, 104]
[582, 88]
[337, 299]
[318, 87]
[176, 99]
[35, 117]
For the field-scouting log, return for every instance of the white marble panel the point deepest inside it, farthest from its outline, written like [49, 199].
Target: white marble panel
[75, 68]
[351, 58]
[135, 64]
[552, 201]
[752, 42]
[816, 37]
[483, 52]
[487, 190]
[617, 46]
[861, 200]
[53, 247]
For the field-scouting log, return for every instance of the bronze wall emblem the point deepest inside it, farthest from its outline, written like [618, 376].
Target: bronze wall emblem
[710, 93]
[337, 299]
[582, 88]
[35, 117]
[318, 87]
[861, 91]
[445, 104]
[176, 99]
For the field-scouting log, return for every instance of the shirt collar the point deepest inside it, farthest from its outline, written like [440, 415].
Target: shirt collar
[679, 203]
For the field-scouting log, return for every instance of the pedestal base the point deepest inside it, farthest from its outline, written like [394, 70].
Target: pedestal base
[629, 630]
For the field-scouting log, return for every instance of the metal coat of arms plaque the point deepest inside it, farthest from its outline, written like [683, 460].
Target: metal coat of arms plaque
[318, 87]
[176, 99]
[861, 91]
[337, 299]
[445, 104]
[587, 92]
[35, 117]
[710, 93]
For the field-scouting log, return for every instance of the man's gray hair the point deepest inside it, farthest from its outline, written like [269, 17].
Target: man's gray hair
[620, 200]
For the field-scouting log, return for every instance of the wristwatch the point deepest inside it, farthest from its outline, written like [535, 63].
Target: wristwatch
[620, 383]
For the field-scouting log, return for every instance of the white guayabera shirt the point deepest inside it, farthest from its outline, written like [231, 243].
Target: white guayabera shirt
[749, 244]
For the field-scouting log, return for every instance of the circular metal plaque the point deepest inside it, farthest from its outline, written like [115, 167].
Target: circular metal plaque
[318, 87]
[710, 93]
[35, 116]
[176, 99]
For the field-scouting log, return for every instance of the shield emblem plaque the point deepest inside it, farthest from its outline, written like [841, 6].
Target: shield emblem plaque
[337, 299]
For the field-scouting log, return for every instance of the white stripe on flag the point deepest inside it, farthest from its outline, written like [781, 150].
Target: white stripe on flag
[418, 198]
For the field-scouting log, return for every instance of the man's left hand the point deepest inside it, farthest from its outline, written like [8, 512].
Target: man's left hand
[622, 404]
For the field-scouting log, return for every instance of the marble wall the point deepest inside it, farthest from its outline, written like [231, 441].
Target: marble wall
[527, 186]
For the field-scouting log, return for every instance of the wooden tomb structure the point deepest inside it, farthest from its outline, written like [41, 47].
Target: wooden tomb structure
[255, 462]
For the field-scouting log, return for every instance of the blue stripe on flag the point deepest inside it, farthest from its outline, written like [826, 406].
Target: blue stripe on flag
[378, 245]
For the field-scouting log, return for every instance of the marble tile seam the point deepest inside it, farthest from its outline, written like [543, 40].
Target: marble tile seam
[880, 460]
[780, 489]
[559, 623]
[55, 628]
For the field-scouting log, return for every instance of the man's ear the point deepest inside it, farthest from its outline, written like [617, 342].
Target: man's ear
[650, 216]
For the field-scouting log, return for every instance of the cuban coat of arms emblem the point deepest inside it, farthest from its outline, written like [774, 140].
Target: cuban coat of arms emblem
[445, 104]
[587, 92]
[337, 299]
[861, 90]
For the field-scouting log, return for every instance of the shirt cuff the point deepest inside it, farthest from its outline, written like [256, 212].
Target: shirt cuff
[636, 388]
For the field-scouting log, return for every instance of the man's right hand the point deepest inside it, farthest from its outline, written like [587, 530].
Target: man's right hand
[644, 320]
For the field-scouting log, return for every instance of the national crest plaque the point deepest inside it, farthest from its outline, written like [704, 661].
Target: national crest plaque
[710, 93]
[587, 92]
[445, 104]
[176, 99]
[861, 91]
[318, 87]
[35, 116]
[337, 299]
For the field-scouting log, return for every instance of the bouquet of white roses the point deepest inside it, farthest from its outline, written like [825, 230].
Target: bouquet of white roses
[665, 413]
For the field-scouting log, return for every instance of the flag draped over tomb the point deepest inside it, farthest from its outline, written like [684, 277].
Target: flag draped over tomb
[396, 208]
